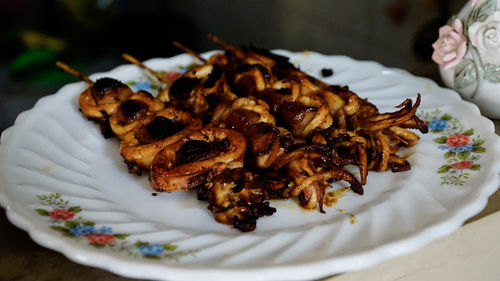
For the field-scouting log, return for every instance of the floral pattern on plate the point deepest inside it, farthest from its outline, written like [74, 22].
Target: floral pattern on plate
[463, 148]
[149, 83]
[62, 219]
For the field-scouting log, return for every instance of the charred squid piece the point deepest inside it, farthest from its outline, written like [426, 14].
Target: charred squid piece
[248, 72]
[154, 132]
[416, 123]
[319, 152]
[266, 143]
[101, 99]
[309, 181]
[400, 137]
[195, 89]
[349, 147]
[132, 112]
[305, 115]
[190, 161]
[249, 79]
[369, 119]
[352, 102]
[238, 197]
[398, 164]
[242, 113]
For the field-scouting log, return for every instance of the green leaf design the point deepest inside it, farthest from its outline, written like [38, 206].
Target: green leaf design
[130, 83]
[449, 154]
[71, 224]
[444, 169]
[98, 246]
[479, 149]
[469, 132]
[441, 139]
[42, 212]
[476, 167]
[169, 247]
[465, 74]
[151, 257]
[86, 222]
[121, 236]
[141, 243]
[187, 67]
[463, 155]
[62, 229]
[480, 13]
[75, 209]
[492, 73]
[478, 143]
[446, 117]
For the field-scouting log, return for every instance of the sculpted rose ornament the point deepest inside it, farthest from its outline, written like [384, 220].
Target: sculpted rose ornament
[468, 53]
[450, 46]
[485, 36]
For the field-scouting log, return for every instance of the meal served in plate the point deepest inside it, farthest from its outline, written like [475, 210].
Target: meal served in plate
[247, 126]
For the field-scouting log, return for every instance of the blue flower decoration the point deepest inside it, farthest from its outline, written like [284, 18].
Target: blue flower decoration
[82, 230]
[105, 229]
[150, 250]
[438, 124]
[444, 147]
[463, 148]
[143, 85]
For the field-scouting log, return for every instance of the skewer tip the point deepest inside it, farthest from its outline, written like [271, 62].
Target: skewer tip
[73, 72]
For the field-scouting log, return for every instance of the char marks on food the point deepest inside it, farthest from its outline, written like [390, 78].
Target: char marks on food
[198, 150]
[270, 131]
[162, 127]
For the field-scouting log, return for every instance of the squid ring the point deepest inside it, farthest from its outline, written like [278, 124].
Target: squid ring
[130, 113]
[188, 162]
[322, 120]
[103, 97]
[140, 145]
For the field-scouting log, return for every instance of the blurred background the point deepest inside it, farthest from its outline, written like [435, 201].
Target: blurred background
[90, 35]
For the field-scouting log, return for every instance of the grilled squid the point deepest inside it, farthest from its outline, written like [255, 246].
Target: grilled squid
[132, 112]
[237, 197]
[103, 97]
[156, 131]
[191, 160]
[198, 88]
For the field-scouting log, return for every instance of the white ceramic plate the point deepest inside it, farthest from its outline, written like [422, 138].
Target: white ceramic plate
[67, 186]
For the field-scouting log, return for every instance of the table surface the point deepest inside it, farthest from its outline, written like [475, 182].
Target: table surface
[23, 259]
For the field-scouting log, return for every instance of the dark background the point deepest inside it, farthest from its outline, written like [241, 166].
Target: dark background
[90, 35]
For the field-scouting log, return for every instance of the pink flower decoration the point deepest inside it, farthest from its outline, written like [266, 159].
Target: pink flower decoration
[457, 140]
[462, 165]
[61, 214]
[172, 75]
[100, 238]
[450, 46]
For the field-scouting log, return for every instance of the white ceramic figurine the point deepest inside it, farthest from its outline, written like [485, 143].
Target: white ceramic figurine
[468, 54]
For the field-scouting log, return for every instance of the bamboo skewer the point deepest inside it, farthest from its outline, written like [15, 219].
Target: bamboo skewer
[74, 72]
[216, 40]
[189, 51]
[141, 65]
